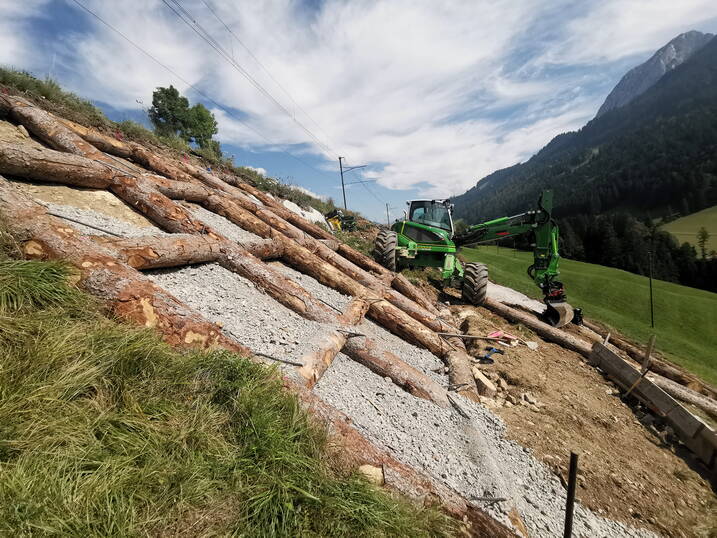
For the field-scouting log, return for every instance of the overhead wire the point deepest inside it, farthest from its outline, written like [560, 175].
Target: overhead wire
[192, 23]
[228, 111]
[189, 20]
[261, 65]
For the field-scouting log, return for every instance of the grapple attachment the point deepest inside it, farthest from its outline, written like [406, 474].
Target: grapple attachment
[558, 314]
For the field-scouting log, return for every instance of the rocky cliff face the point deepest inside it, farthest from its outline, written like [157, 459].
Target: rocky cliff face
[642, 77]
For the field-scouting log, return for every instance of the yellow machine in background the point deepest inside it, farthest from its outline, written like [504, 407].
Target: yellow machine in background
[338, 222]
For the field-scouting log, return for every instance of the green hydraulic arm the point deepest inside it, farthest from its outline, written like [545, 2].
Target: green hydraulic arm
[544, 271]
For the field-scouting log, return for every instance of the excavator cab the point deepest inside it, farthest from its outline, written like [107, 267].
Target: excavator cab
[432, 213]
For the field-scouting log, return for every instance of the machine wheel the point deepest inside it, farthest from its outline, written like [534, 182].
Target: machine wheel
[385, 249]
[475, 283]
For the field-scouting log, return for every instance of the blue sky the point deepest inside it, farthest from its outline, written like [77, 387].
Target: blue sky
[431, 95]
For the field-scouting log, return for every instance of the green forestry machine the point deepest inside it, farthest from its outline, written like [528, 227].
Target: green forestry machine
[425, 238]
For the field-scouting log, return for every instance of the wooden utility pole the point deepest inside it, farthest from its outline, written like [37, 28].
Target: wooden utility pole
[343, 187]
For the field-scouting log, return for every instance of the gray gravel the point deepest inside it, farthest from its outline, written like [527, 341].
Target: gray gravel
[421, 359]
[246, 313]
[328, 295]
[220, 224]
[112, 224]
[470, 455]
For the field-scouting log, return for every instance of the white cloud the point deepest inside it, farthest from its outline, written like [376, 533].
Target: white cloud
[311, 193]
[15, 42]
[613, 29]
[260, 171]
[438, 93]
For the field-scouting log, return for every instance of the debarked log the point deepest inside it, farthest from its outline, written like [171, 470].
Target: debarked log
[384, 363]
[129, 294]
[318, 361]
[658, 365]
[582, 347]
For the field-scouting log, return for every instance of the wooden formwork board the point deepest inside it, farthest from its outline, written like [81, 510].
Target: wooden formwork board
[694, 433]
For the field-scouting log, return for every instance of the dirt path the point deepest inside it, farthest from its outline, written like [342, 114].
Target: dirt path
[627, 472]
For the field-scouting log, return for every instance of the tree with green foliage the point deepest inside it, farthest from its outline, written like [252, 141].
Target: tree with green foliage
[172, 116]
[702, 237]
[170, 111]
[200, 126]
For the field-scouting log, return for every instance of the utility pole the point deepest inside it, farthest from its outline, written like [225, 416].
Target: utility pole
[652, 309]
[388, 217]
[343, 187]
[348, 169]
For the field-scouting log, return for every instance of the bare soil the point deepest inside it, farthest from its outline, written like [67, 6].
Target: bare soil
[627, 470]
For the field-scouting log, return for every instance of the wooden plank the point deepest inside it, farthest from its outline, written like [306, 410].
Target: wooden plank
[694, 433]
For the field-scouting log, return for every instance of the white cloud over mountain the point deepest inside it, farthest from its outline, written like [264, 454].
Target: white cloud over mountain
[434, 94]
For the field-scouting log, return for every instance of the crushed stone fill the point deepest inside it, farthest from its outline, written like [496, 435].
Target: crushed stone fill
[470, 455]
[222, 225]
[329, 296]
[421, 359]
[247, 314]
[100, 220]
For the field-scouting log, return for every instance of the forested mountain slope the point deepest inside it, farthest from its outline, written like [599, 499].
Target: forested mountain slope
[655, 157]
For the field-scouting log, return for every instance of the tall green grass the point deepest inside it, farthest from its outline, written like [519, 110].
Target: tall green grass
[67, 104]
[685, 318]
[106, 431]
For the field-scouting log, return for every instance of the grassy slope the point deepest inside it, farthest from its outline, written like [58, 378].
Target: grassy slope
[105, 430]
[685, 318]
[685, 228]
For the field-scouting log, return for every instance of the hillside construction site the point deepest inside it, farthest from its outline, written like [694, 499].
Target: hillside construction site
[390, 367]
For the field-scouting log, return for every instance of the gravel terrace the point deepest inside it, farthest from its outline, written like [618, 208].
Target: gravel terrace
[219, 223]
[246, 313]
[470, 455]
[100, 220]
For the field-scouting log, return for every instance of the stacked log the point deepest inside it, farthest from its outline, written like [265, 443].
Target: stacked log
[181, 170]
[133, 297]
[129, 294]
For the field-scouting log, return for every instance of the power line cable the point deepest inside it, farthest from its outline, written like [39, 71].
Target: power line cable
[192, 86]
[192, 23]
[261, 65]
[364, 184]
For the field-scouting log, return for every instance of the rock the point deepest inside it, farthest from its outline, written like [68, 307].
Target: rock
[485, 385]
[502, 384]
[512, 399]
[372, 474]
[528, 397]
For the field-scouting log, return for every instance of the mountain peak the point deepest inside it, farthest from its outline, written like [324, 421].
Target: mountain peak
[640, 78]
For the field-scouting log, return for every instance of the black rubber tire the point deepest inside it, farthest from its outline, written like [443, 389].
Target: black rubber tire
[384, 249]
[475, 283]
